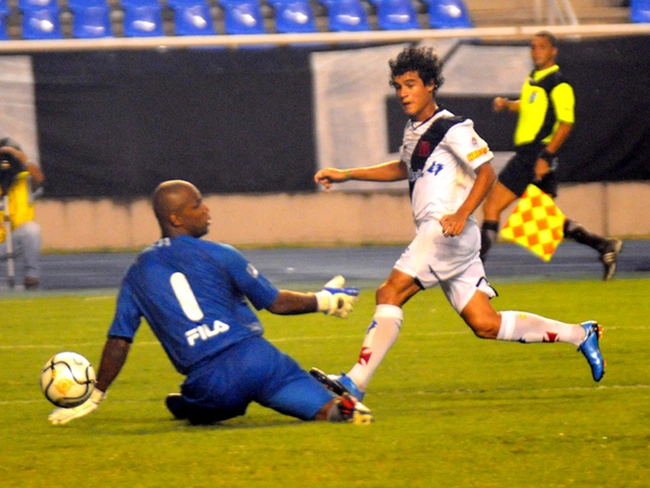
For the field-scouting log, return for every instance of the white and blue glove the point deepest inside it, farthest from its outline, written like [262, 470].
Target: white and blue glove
[336, 300]
[62, 416]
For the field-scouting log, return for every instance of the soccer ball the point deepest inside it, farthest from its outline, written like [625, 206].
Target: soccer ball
[67, 379]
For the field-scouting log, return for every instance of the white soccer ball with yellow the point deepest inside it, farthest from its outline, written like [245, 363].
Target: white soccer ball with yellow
[67, 379]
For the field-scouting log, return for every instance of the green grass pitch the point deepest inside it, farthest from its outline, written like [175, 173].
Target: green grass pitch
[450, 410]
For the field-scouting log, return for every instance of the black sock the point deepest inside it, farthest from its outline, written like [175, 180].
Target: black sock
[489, 231]
[579, 234]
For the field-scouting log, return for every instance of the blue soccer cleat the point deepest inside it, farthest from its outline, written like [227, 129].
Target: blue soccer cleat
[337, 384]
[589, 347]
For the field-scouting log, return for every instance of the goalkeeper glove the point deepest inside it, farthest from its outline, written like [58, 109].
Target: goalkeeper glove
[335, 300]
[62, 416]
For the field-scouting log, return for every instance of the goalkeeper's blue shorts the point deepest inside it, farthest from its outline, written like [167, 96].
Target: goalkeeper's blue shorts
[254, 370]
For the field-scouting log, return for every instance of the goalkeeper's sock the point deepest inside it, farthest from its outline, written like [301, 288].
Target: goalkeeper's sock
[578, 233]
[489, 230]
[527, 327]
[380, 337]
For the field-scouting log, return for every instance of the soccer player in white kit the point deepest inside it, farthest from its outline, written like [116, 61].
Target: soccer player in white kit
[448, 168]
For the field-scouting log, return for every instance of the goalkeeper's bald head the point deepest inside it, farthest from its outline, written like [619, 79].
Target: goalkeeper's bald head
[179, 209]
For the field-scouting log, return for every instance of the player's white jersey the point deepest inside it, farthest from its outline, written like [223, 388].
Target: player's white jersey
[448, 173]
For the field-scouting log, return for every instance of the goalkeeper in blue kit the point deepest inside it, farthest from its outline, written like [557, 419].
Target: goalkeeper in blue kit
[193, 294]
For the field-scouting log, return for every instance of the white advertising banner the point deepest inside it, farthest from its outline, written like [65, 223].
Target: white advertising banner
[17, 106]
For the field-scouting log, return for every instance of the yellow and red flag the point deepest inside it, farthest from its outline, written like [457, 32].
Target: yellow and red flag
[536, 223]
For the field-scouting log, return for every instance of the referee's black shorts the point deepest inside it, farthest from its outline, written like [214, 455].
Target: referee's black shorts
[519, 172]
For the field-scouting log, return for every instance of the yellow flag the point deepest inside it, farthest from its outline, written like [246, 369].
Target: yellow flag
[536, 223]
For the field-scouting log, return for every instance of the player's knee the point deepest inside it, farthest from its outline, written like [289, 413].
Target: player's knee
[390, 294]
[397, 290]
[384, 293]
[484, 327]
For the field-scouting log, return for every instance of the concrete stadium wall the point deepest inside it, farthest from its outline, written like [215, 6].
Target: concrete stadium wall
[338, 218]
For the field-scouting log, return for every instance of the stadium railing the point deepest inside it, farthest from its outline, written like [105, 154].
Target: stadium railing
[332, 38]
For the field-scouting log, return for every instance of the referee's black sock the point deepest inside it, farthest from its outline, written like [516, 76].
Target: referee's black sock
[489, 230]
[579, 234]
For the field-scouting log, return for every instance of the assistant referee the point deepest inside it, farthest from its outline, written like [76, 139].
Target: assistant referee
[546, 118]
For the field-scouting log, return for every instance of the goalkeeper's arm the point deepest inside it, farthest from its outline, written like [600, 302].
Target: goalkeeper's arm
[333, 299]
[114, 356]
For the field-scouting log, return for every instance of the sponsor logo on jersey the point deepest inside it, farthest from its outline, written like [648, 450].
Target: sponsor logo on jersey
[475, 154]
[203, 332]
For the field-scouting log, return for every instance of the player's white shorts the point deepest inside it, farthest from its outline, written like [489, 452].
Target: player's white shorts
[451, 262]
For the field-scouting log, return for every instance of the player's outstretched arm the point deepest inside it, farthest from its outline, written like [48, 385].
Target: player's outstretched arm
[389, 171]
[334, 299]
[328, 176]
[114, 356]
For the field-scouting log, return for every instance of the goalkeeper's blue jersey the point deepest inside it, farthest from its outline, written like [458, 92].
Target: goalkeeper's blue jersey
[193, 294]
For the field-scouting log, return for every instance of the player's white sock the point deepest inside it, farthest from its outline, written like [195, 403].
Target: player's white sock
[380, 337]
[528, 327]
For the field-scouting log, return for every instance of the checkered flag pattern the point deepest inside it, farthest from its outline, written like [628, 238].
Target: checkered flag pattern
[536, 223]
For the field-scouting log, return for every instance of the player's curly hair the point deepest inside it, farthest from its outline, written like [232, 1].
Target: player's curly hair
[421, 59]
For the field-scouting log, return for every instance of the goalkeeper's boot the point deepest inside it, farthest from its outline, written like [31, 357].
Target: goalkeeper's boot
[195, 415]
[337, 384]
[353, 411]
[589, 347]
[608, 257]
[177, 406]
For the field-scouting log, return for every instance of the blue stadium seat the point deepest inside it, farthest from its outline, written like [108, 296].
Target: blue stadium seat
[294, 16]
[90, 19]
[448, 14]
[142, 18]
[242, 17]
[4, 12]
[192, 17]
[346, 15]
[40, 19]
[640, 11]
[396, 15]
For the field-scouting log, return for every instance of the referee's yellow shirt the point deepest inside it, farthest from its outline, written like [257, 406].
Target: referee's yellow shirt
[20, 208]
[540, 117]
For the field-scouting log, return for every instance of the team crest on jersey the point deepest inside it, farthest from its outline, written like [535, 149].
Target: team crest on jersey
[532, 98]
[474, 141]
[250, 269]
[424, 149]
